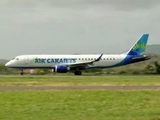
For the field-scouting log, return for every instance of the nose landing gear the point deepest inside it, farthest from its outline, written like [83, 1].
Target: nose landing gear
[21, 73]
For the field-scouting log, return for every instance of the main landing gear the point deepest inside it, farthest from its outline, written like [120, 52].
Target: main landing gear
[78, 73]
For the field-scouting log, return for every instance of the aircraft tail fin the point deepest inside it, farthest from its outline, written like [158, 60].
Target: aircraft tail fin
[140, 46]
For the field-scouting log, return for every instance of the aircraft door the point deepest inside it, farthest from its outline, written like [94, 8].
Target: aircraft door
[26, 60]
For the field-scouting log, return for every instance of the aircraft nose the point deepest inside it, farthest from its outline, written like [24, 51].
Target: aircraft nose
[7, 64]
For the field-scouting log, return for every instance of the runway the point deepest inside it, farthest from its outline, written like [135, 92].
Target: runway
[8, 88]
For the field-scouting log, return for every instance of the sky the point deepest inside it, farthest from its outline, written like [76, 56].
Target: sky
[75, 26]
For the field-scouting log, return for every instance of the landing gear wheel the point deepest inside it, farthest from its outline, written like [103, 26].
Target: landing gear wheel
[21, 73]
[78, 73]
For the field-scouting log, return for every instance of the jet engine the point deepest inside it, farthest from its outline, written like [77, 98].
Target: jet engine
[61, 69]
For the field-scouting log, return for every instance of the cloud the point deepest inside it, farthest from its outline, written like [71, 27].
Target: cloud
[75, 26]
[126, 5]
[129, 5]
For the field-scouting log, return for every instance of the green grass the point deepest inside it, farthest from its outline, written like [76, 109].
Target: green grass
[80, 105]
[79, 80]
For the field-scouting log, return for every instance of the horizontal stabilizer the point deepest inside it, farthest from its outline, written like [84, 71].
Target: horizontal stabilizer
[141, 58]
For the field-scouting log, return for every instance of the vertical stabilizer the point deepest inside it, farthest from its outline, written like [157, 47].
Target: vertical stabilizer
[140, 46]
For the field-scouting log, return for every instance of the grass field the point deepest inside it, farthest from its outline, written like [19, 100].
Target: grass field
[79, 80]
[80, 105]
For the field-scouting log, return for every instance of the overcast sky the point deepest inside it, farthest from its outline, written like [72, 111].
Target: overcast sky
[75, 26]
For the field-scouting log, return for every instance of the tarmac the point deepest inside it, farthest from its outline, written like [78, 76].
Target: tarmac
[8, 88]
[89, 87]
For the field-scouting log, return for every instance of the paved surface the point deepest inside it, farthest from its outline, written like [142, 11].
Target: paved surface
[79, 87]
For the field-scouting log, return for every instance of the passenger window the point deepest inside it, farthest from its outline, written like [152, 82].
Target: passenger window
[17, 58]
[103, 58]
[88, 58]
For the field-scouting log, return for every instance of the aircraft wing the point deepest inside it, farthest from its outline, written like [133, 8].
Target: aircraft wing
[83, 64]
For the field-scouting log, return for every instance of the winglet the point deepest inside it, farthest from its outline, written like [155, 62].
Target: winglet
[98, 59]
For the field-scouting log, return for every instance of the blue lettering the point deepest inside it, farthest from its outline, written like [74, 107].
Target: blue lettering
[52, 61]
[65, 60]
[39, 60]
[61, 61]
[56, 60]
[36, 60]
[43, 60]
[69, 60]
[48, 61]
[74, 60]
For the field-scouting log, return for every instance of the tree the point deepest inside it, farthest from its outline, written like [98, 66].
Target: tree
[5, 70]
[157, 67]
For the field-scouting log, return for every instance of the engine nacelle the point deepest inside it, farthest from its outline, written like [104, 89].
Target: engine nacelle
[61, 69]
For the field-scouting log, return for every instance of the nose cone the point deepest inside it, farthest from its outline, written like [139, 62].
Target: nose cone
[11, 64]
[7, 64]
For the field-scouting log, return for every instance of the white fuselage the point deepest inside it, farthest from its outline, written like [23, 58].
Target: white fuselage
[76, 63]
[50, 61]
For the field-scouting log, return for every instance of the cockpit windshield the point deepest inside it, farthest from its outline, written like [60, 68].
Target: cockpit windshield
[15, 59]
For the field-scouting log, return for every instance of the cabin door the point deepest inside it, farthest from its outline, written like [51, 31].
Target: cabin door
[26, 60]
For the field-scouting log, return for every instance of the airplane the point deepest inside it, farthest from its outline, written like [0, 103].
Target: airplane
[77, 63]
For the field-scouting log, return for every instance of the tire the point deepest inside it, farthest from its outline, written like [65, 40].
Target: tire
[77, 73]
[21, 73]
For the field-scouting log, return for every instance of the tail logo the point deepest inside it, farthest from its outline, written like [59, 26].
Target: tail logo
[139, 48]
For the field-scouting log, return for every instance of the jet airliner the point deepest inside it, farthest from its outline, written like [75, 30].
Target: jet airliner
[77, 63]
